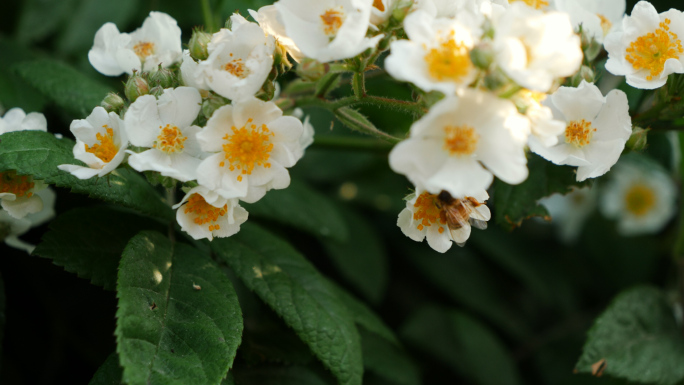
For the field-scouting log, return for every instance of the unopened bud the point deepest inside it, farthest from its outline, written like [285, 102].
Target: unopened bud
[112, 102]
[585, 73]
[311, 70]
[267, 91]
[495, 80]
[198, 45]
[156, 91]
[162, 77]
[136, 86]
[400, 11]
[212, 103]
[590, 46]
[639, 139]
[482, 55]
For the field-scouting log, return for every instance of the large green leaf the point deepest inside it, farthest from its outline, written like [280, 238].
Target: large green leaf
[39, 153]
[513, 204]
[14, 92]
[387, 360]
[109, 373]
[71, 90]
[303, 208]
[637, 338]
[89, 241]
[179, 321]
[40, 18]
[463, 343]
[293, 288]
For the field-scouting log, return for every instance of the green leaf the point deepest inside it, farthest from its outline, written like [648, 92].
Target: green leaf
[463, 343]
[293, 288]
[40, 18]
[515, 203]
[362, 259]
[89, 241]
[292, 375]
[14, 92]
[356, 121]
[179, 321]
[76, 93]
[388, 360]
[637, 338]
[39, 153]
[109, 372]
[229, 380]
[303, 208]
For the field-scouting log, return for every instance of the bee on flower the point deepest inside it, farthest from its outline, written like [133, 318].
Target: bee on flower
[204, 214]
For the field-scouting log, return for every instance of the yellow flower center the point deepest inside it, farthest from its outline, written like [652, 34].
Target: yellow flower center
[204, 212]
[237, 68]
[652, 50]
[639, 199]
[106, 149]
[460, 140]
[579, 133]
[537, 4]
[379, 5]
[19, 185]
[143, 49]
[332, 20]
[247, 147]
[606, 25]
[428, 211]
[450, 61]
[170, 140]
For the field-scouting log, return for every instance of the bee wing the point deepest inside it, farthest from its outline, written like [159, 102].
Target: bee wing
[460, 235]
[454, 217]
[478, 223]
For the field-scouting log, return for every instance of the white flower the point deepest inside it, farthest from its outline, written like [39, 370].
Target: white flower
[270, 21]
[452, 144]
[536, 48]
[597, 129]
[205, 214]
[460, 9]
[157, 42]
[18, 194]
[239, 60]
[437, 56]
[306, 139]
[597, 18]
[252, 144]
[11, 227]
[101, 144]
[382, 11]
[328, 30]
[569, 212]
[191, 73]
[648, 48]
[640, 195]
[545, 129]
[442, 218]
[165, 127]
[17, 120]
[536, 4]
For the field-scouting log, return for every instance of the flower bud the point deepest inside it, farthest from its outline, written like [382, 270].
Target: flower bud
[311, 70]
[136, 86]
[198, 45]
[482, 55]
[162, 77]
[639, 139]
[585, 73]
[156, 91]
[267, 91]
[212, 103]
[400, 11]
[112, 102]
[495, 80]
[590, 46]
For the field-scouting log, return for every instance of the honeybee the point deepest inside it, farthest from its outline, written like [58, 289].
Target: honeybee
[460, 214]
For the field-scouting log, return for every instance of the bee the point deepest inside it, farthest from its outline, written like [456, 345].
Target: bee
[460, 214]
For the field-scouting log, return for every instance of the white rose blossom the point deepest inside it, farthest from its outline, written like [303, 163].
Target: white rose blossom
[270, 21]
[597, 18]
[544, 128]
[382, 11]
[443, 219]
[569, 212]
[252, 144]
[101, 143]
[11, 227]
[204, 214]
[328, 30]
[461, 142]
[157, 42]
[463, 10]
[17, 120]
[543, 5]
[597, 129]
[648, 47]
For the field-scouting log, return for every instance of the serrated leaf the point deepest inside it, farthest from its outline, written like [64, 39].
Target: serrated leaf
[39, 153]
[463, 343]
[292, 375]
[636, 338]
[387, 360]
[89, 241]
[356, 121]
[40, 18]
[76, 93]
[303, 208]
[362, 259]
[109, 373]
[179, 321]
[513, 204]
[292, 287]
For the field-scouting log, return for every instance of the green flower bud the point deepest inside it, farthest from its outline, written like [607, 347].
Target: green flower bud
[267, 91]
[482, 55]
[112, 102]
[639, 139]
[212, 103]
[136, 86]
[495, 80]
[585, 73]
[163, 77]
[400, 11]
[311, 70]
[156, 91]
[198, 45]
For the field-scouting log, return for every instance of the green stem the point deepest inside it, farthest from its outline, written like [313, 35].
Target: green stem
[352, 143]
[208, 16]
[359, 85]
[377, 101]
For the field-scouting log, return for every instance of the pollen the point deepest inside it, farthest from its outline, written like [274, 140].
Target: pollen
[450, 61]
[204, 213]
[143, 49]
[639, 200]
[237, 68]
[379, 5]
[170, 140]
[106, 149]
[652, 50]
[247, 147]
[19, 185]
[460, 140]
[332, 20]
[579, 133]
[428, 211]
[606, 25]
[536, 4]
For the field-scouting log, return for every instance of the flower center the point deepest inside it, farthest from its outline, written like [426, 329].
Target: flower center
[170, 140]
[204, 212]
[652, 50]
[105, 150]
[143, 49]
[237, 68]
[379, 5]
[19, 185]
[579, 133]
[449, 61]
[639, 199]
[606, 25]
[460, 140]
[428, 211]
[332, 20]
[537, 4]
[247, 147]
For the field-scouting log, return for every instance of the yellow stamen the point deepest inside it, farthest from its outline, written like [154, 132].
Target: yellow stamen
[428, 211]
[379, 5]
[460, 140]
[106, 149]
[237, 68]
[606, 25]
[143, 49]
[247, 147]
[579, 133]
[332, 20]
[450, 61]
[537, 4]
[639, 199]
[19, 185]
[204, 212]
[652, 50]
[170, 140]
